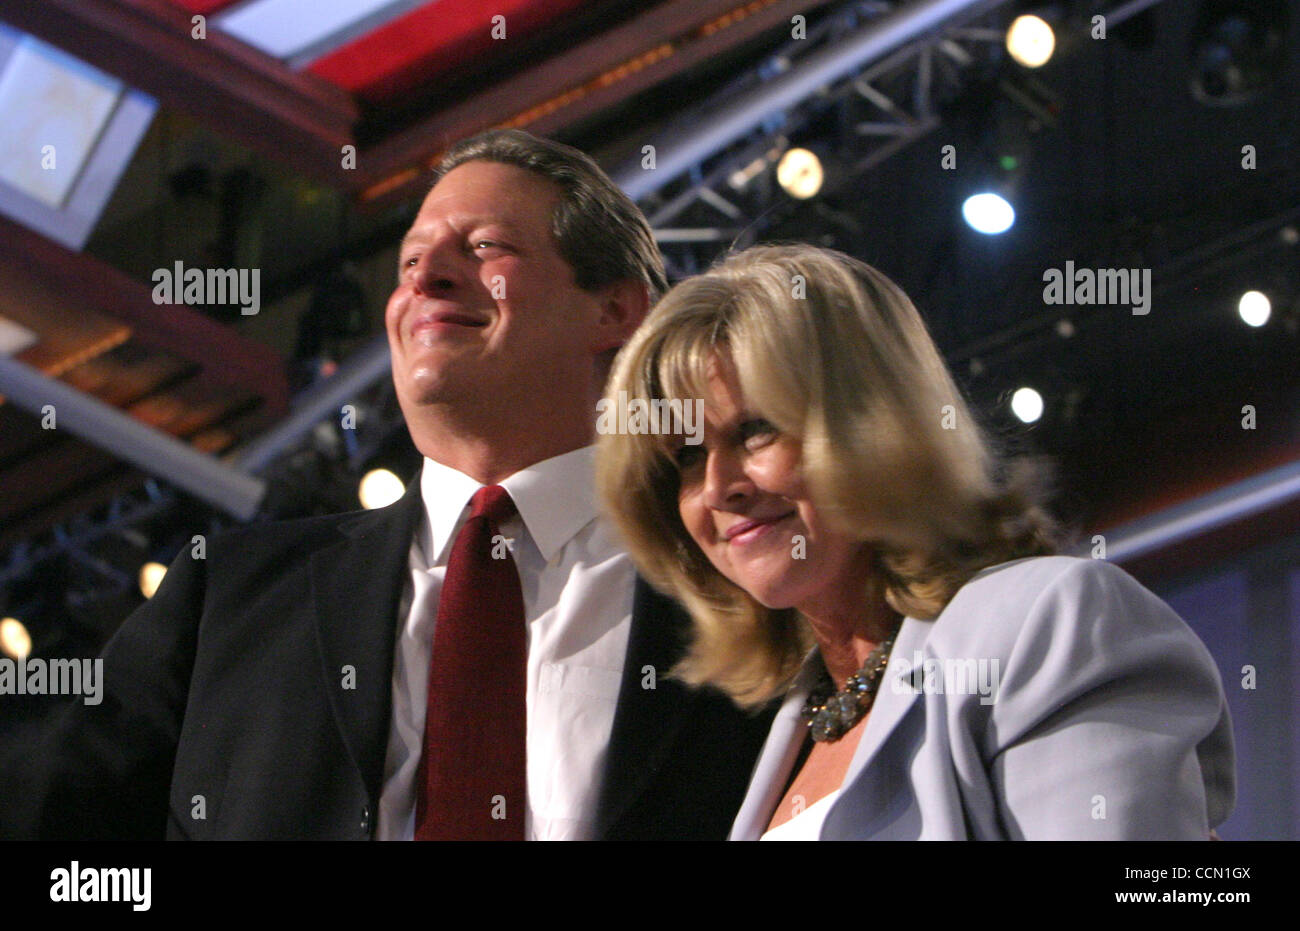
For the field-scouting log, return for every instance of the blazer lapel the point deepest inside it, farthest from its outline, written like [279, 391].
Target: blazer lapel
[775, 761]
[893, 700]
[646, 720]
[356, 587]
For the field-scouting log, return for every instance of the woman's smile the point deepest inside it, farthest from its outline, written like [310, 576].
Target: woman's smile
[749, 531]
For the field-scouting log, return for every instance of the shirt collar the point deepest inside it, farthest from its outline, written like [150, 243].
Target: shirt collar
[555, 497]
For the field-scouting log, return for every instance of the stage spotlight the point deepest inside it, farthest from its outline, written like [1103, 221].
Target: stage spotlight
[800, 173]
[15, 641]
[1027, 404]
[151, 576]
[988, 213]
[379, 487]
[1255, 308]
[1031, 41]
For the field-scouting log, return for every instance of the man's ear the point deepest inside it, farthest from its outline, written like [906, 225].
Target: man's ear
[623, 305]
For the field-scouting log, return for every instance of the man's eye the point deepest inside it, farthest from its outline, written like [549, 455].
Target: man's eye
[482, 244]
[757, 433]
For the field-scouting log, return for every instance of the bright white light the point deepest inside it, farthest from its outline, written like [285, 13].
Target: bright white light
[1255, 308]
[151, 576]
[379, 488]
[988, 213]
[800, 173]
[1030, 41]
[15, 641]
[1027, 404]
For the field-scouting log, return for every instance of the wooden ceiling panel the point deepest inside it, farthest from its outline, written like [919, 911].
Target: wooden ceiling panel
[45, 282]
[68, 334]
[100, 332]
[189, 407]
[127, 374]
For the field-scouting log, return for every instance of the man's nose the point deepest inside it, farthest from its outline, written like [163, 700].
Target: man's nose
[725, 481]
[436, 271]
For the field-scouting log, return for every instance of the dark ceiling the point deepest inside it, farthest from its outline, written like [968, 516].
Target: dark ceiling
[1120, 165]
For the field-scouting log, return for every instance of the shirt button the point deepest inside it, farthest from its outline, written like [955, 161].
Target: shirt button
[365, 819]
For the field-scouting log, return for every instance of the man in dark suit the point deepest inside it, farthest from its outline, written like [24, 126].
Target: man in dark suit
[277, 687]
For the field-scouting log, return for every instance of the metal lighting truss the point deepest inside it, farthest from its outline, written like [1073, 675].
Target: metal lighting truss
[884, 69]
[262, 481]
[727, 197]
[76, 535]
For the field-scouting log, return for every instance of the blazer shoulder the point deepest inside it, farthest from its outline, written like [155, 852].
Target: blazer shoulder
[1052, 598]
[1031, 577]
[324, 527]
[299, 536]
[1089, 665]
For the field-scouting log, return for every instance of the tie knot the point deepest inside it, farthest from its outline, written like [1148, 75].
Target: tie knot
[492, 502]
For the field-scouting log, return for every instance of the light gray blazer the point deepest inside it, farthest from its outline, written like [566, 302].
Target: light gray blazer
[1108, 720]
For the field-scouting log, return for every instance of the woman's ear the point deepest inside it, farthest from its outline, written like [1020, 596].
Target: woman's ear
[623, 306]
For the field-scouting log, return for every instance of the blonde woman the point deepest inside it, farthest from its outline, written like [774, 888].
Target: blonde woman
[846, 542]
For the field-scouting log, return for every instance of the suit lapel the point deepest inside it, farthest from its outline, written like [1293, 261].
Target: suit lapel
[356, 587]
[646, 720]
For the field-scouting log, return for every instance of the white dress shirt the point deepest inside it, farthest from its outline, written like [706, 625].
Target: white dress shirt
[577, 585]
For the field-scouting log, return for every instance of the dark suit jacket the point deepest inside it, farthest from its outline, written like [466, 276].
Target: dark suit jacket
[226, 711]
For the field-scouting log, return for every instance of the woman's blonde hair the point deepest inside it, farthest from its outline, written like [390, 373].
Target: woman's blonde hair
[832, 353]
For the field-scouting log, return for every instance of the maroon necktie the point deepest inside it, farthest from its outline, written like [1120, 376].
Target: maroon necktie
[472, 779]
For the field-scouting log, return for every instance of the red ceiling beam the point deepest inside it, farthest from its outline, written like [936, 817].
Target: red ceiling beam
[417, 49]
[222, 82]
[593, 75]
[707, 40]
[303, 120]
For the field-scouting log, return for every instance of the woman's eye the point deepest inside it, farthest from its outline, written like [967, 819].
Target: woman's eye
[688, 456]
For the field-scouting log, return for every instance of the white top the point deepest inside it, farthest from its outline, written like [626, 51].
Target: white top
[807, 825]
[577, 585]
